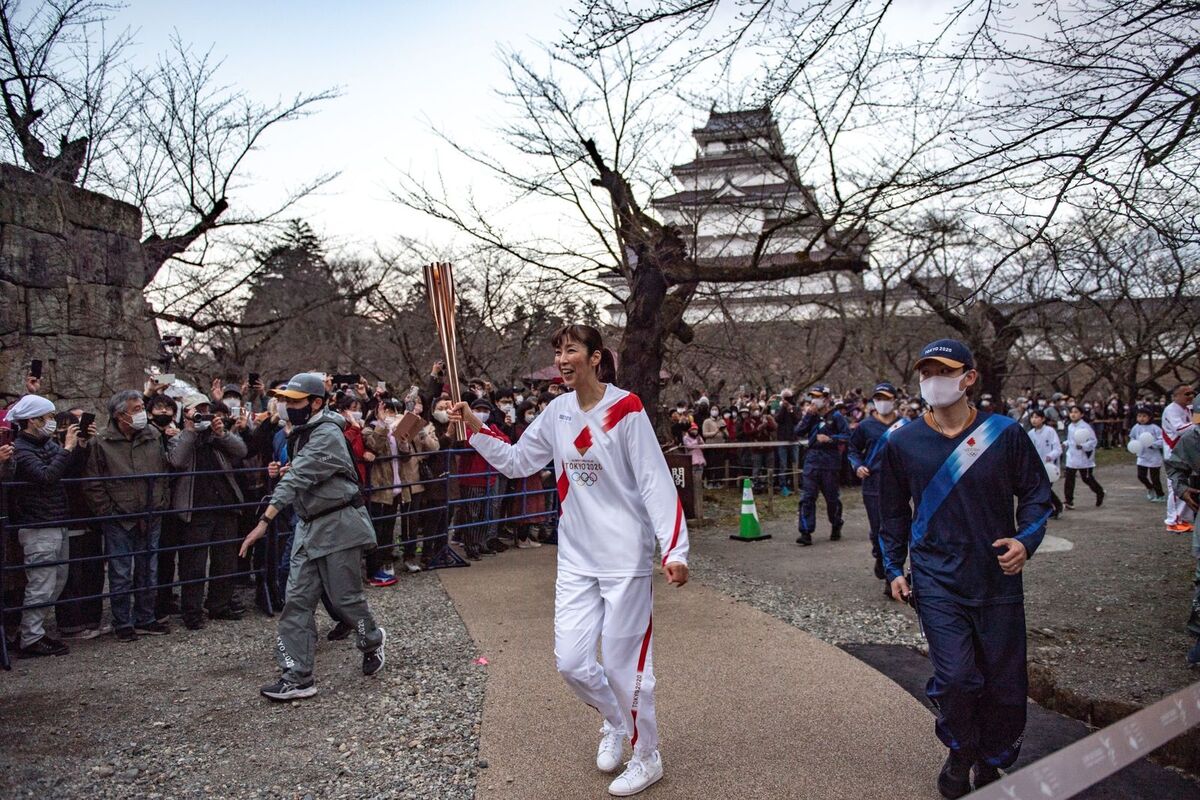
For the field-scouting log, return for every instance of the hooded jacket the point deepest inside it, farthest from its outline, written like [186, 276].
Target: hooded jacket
[111, 454]
[321, 486]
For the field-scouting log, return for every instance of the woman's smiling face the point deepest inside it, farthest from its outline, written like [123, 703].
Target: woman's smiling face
[571, 359]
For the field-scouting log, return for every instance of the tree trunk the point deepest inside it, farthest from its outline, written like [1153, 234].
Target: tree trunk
[642, 342]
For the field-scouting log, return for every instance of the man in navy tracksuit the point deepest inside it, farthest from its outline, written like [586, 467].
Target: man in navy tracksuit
[866, 456]
[947, 490]
[827, 433]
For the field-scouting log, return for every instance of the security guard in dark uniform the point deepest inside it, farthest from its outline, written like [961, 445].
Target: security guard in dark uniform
[827, 432]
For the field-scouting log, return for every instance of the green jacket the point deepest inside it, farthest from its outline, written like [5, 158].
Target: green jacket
[321, 476]
[111, 454]
[1183, 465]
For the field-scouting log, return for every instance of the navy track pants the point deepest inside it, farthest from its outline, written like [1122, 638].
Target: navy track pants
[979, 678]
[824, 481]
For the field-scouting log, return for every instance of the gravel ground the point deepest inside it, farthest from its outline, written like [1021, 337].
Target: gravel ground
[179, 716]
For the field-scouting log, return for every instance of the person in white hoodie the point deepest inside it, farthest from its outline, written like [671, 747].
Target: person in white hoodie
[1045, 441]
[1081, 457]
[616, 497]
[1149, 456]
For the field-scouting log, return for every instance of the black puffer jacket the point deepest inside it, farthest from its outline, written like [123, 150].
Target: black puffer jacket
[39, 499]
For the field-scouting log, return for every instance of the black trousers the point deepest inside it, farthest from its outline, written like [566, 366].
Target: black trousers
[167, 559]
[84, 578]
[1151, 478]
[1086, 476]
[209, 535]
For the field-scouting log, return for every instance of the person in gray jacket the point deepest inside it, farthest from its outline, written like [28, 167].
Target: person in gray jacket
[320, 483]
[205, 499]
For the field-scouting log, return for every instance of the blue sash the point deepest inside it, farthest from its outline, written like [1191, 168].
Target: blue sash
[962, 458]
[877, 448]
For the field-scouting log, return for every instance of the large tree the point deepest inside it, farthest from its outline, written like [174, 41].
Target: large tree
[590, 141]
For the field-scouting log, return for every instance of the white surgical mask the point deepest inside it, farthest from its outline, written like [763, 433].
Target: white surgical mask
[441, 416]
[714, 413]
[138, 420]
[530, 417]
[818, 402]
[356, 416]
[483, 416]
[941, 391]
[885, 407]
[50, 428]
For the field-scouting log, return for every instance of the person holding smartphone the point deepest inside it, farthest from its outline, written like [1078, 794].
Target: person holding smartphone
[949, 483]
[39, 507]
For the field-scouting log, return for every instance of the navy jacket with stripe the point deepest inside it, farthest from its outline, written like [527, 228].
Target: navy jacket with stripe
[951, 549]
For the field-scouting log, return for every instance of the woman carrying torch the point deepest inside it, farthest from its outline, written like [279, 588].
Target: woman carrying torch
[617, 496]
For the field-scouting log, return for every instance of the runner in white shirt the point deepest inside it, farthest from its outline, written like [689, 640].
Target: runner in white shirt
[1081, 458]
[1176, 419]
[616, 497]
[1045, 441]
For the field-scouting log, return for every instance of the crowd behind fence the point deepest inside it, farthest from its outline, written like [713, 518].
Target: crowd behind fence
[434, 529]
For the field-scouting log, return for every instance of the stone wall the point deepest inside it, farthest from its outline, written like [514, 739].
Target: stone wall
[72, 273]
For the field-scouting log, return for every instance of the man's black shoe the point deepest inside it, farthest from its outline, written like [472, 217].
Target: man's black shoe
[373, 661]
[339, 632]
[983, 774]
[887, 590]
[497, 545]
[126, 635]
[954, 780]
[155, 628]
[229, 613]
[193, 623]
[44, 646]
[804, 539]
[283, 690]
[836, 534]
[879, 571]
[1099, 499]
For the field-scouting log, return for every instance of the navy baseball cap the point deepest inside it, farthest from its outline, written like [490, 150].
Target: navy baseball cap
[885, 388]
[820, 389]
[950, 352]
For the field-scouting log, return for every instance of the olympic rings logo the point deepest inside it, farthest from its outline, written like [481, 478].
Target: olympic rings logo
[585, 478]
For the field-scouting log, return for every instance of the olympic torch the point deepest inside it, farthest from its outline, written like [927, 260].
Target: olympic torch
[439, 287]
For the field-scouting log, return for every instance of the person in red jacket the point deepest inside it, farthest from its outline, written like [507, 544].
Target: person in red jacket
[477, 491]
[350, 408]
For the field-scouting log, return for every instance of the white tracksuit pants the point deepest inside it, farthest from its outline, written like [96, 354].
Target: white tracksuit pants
[617, 612]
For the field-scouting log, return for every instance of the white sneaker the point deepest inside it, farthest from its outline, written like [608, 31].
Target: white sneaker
[411, 566]
[639, 774]
[608, 756]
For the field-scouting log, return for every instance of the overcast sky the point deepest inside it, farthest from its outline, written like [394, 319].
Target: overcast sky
[400, 65]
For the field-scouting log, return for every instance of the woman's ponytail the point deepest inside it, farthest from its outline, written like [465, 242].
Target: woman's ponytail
[606, 372]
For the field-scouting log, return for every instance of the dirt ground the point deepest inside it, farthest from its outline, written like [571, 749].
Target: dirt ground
[1106, 618]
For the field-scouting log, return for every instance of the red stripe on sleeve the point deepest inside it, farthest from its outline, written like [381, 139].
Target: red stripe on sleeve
[675, 535]
[629, 404]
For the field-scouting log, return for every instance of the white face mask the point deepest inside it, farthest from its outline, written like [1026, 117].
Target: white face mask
[483, 416]
[530, 417]
[885, 407]
[818, 403]
[356, 416]
[50, 428]
[941, 391]
[138, 420]
[714, 413]
[441, 416]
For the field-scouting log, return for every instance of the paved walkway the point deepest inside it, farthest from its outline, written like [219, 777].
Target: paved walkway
[749, 707]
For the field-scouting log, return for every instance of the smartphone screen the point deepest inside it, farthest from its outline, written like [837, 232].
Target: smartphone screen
[35, 368]
[6, 436]
[85, 422]
[252, 378]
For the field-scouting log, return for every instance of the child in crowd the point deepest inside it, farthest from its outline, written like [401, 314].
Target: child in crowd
[1149, 456]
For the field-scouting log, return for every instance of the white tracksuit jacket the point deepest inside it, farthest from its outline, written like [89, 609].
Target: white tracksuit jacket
[1151, 456]
[1045, 441]
[615, 491]
[1081, 455]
